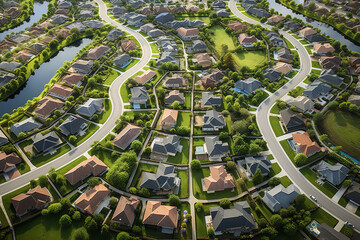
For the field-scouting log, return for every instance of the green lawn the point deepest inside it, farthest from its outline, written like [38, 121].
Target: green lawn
[106, 112]
[250, 59]
[90, 131]
[285, 181]
[218, 32]
[321, 216]
[304, 42]
[154, 48]
[292, 74]
[296, 91]
[124, 92]
[275, 169]
[343, 201]
[275, 109]
[201, 231]
[104, 155]
[3, 219]
[251, 16]
[309, 48]
[275, 124]
[289, 45]
[183, 157]
[184, 185]
[141, 168]
[42, 159]
[358, 211]
[343, 130]
[112, 76]
[187, 96]
[183, 119]
[315, 64]
[288, 149]
[326, 188]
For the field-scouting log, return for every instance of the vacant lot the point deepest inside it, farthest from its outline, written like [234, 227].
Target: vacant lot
[250, 59]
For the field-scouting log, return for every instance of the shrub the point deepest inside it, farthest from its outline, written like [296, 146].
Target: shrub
[81, 234]
[76, 216]
[195, 164]
[225, 203]
[65, 220]
[174, 200]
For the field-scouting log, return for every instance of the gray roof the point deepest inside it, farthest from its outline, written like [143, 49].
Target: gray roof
[186, 23]
[5, 77]
[292, 121]
[218, 4]
[8, 4]
[164, 178]
[19, 38]
[199, 45]
[42, 143]
[10, 66]
[147, 27]
[155, 33]
[84, 67]
[122, 59]
[292, 25]
[329, 233]
[59, 19]
[164, 18]
[166, 57]
[315, 89]
[93, 24]
[280, 197]
[118, 10]
[335, 174]
[249, 85]
[114, 34]
[213, 119]
[136, 3]
[64, 4]
[262, 162]
[86, 13]
[328, 77]
[272, 75]
[275, 39]
[25, 126]
[316, 37]
[139, 95]
[238, 217]
[258, 12]
[87, 5]
[284, 53]
[81, 27]
[71, 126]
[222, 13]
[37, 47]
[215, 147]
[171, 98]
[3, 138]
[208, 99]
[166, 145]
[90, 107]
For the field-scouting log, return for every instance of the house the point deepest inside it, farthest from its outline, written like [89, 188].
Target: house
[90, 167]
[284, 68]
[237, 26]
[208, 99]
[316, 89]
[165, 58]
[323, 49]
[254, 163]
[213, 121]
[164, 18]
[159, 10]
[10, 66]
[118, 11]
[198, 46]
[333, 62]
[147, 27]
[34, 199]
[248, 86]
[98, 52]
[25, 126]
[179, 9]
[353, 193]
[37, 47]
[60, 91]
[129, 134]
[272, 75]
[275, 19]
[124, 213]
[6, 45]
[64, 4]
[165, 179]
[3, 139]
[354, 99]
[322, 11]
[46, 40]
[90, 107]
[128, 45]
[72, 125]
[291, 121]
[303, 144]
[306, 32]
[329, 233]
[139, 96]
[357, 87]
[156, 33]
[73, 79]
[192, 8]
[46, 25]
[45, 143]
[114, 34]
[175, 81]
[86, 13]
[222, 13]
[316, 38]
[284, 55]
[275, 39]
[161, 216]
[246, 41]
[23, 56]
[87, 5]
[169, 119]
[215, 77]
[173, 96]
[203, 59]
[218, 4]
[136, 3]
[19, 38]
[8, 162]
[334, 174]
[135, 19]
[257, 12]
[82, 66]
[59, 19]
[328, 77]
[292, 25]
[188, 34]
[236, 220]
[122, 60]
[46, 106]
[146, 11]
[280, 197]
[166, 146]
[65, 32]
[90, 200]
[9, 4]
[219, 180]
[5, 77]
[95, 24]
[145, 77]
[215, 149]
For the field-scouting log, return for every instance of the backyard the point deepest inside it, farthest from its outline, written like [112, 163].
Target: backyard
[183, 157]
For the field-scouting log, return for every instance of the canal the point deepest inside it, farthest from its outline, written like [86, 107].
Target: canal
[41, 76]
[39, 10]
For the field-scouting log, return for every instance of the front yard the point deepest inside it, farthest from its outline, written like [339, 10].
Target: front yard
[326, 188]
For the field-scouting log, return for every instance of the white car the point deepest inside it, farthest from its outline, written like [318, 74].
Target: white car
[349, 224]
[313, 198]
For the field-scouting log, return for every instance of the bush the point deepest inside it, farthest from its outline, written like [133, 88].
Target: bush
[105, 230]
[65, 220]
[113, 202]
[211, 232]
[43, 181]
[300, 159]
[55, 208]
[137, 230]
[93, 181]
[199, 207]
[225, 203]
[274, 181]
[258, 177]
[76, 216]
[136, 145]
[195, 164]
[90, 224]
[81, 234]
[276, 220]
[174, 200]
[123, 236]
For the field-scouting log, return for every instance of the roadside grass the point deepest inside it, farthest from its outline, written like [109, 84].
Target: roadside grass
[292, 74]
[275, 109]
[106, 112]
[183, 157]
[315, 64]
[326, 188]
[321, 216]
[71, 165]
[184, 185]
[125, 92]
[112, 76]
[90, 131]
[288, 44]
[42, 159]
[304, 42]
[308, 49]
[288, 149]
[343, 201]
[154, 48]
[143, 167]
[275, 125]
[285, 181]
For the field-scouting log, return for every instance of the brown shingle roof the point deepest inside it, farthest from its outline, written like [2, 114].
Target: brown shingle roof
[204, 59]
[188, 31]
[97, 52]
[46, 25]
[8, 160]
[62, 11]
[125, 210]
[22, 55]
[145, 77]
[64, 32]
[275, 19]
[90, 200]
[307, 31]
[244, 38]
[128, 45]
[282, 67]
[124, 138]
[34, 198]
[73, 78]
[60, 90]
[169, 116]
[6, 44]
[326, 47]
[236, 26]
[218, 180]
[160, 215]
[47, 106]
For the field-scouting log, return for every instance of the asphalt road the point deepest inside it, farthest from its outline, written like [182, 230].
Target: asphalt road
[264, 125]
[117, 108]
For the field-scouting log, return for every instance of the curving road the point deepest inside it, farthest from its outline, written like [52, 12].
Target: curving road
[275, 147]
[117, 109]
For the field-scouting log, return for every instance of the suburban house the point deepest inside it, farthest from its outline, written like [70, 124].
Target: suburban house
[124, 213]
[222, 13]
[303, 144]
[90, 167]
[8, 163]
[60, 91]
[165, 58]
[139, 96]
[333, 62]
[291, 121]
[254, 163]
[25, 126]
[219, 180]
[129, 134]
[188, 34]
[164, 18]
[192, 8]
[316, 89]
[275, 39]
[165, 179]
[213, 121]
[218, 4]
[275, 19]
[122, 60]
[73, 79]
[316, 38]
[257, 12]
[156, 33]
[128, 45]
[236, 220]
[246, 41]
[328, 77]
[284, 68]
[90, 107]
[353, 193]
[95, 24]
[145, 77]
[208, 99]
[46, 106]
[5, 77]
[284, 55]
[72, 125]
[34, 199]
[45, 143]
[248, 86]
[98, 52]
[147, 27]
[204, 60]
[173, 96]
[237, 26]
[215, 77]
[166, 146]
[306, 31]
[324, 49]
[292, 25]
[59, 19]
[272, 75]
[168, 119]
[161, 216]
[3, 139]
[327, 232]
[114, 34]
[90, 200]
[82, 66]
[175, 81]
[354, 99]
[215, 149]
[334, 174]
[198, 46]
[10, 66]
[37, 47]
[280, 197]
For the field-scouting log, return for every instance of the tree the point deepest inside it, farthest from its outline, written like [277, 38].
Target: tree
[43, 181]
[93, 181]
[300, 159]
[228, 61]
[175, 105]
[123, 236]
[105, 230]
[274, 181]
[90, 223]
[258, 177]
[300, 200]
[76, 216]
[262, 222]
[211, 232]
[195, 164]
[311, 6]
[55, 208]
[347, 183]
[33, 183]
[113, 202]
[276, 220]
[136, 145]
[290, 229]
[54, 44]
[81, 234]
[72, 139]
[231, 165]
[174, 200]
[65, 220]
[225, 203]
[199, 207]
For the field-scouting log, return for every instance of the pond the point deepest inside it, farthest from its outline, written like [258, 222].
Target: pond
[41, 76]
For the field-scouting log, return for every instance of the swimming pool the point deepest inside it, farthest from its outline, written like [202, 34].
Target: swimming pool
[199, 150]
[241, 91]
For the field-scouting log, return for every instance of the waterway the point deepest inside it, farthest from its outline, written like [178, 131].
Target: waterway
[41, 76]
[39, 10]
[325, 28]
